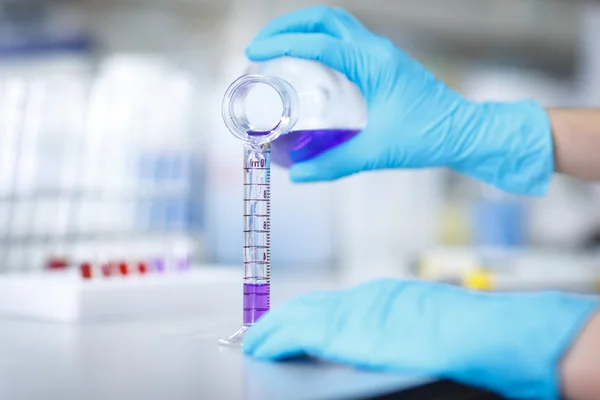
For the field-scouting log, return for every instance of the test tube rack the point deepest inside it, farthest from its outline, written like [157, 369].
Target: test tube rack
[67, 296]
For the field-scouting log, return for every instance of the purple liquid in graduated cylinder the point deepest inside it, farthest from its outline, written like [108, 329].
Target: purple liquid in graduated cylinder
[298, 146]
[256, 301]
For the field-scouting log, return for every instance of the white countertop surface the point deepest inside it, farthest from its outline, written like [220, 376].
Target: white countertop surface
[167, 357]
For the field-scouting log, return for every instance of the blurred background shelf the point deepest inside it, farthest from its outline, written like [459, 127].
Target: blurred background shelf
[534, 33]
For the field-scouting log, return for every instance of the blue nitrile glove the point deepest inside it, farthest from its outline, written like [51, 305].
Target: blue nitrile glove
[414, 120]
[508, 343]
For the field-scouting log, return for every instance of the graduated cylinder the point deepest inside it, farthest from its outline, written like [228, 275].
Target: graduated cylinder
[257, 231]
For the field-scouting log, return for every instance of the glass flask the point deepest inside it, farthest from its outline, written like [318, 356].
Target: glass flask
[301, 107]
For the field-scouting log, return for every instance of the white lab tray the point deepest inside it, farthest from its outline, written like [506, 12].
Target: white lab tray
[64, 296]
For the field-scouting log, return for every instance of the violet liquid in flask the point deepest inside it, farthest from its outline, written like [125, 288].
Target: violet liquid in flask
[302, 106]
[287, 111]
[301, 145]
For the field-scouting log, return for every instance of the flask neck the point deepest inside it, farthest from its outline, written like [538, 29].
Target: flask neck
[234, 108]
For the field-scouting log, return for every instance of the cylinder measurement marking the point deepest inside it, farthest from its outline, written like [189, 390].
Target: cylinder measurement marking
[257, 217]
[257, 235]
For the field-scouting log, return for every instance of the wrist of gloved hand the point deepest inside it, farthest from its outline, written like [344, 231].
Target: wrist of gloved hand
[521, 340]
[508, 145]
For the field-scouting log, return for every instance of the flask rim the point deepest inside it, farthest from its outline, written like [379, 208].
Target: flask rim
[239, 125]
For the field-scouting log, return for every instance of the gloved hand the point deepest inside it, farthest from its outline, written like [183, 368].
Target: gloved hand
[508, 343]
[414, 120]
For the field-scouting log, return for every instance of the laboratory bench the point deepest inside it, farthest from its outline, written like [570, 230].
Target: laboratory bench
[176, 356]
